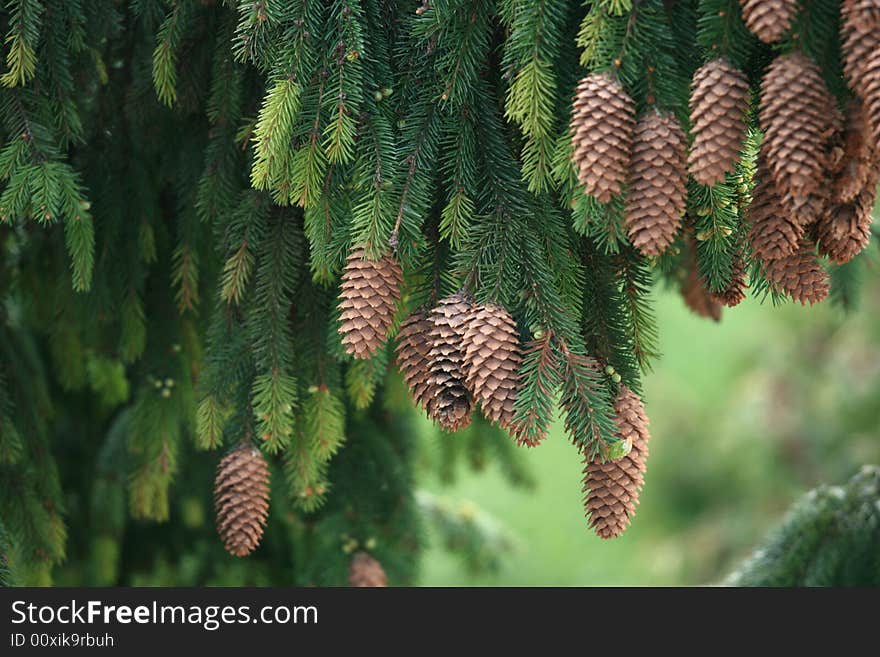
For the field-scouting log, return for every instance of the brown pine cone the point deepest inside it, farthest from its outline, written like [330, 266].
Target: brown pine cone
[612, 488]
[413, 356]
[601, 133]
[492, 358]
[871, 95]
[698, 298]
[241, 499]
[658, 178]
[861, 15]
[856, 47]
[367, 301]
[366, 571]
[769, 20]
[859, 168]
[718, 104]
[799, 117]
[772, 232]
[799, 275]
[735, 291]
[450, 404]
[846, 229]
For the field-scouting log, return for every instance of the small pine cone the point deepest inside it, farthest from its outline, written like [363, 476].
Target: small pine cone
[656, 200]
[492, 358]
[719, 101]
[450, 404]
[856, 46]
[612, 488]
[769, 20]
[735, 291]
[846, 229]
[413, 356]
[858, 168]
[871, 95]
[366, 571]
[698, 298]
[799, 118]
[861, 15]
[799, 275]
[601, 133]
[368, 298]
[241, 499]
[772, 232]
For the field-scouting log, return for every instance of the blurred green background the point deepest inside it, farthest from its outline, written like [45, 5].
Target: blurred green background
[746, 415]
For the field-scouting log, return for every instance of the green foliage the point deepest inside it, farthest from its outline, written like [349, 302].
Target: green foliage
[829, 538]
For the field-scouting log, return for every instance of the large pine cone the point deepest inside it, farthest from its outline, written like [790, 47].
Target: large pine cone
[719, 101]
[492, 358]
[365, 570]
[367, 301]
[601, 133]
[612, 488]
[846, 229]
[799, 275]
[772, 232]
[241, 499]
[450, 404]
[799, 117]
[413, 356]
[656, 200]
[769, 20]
[857, 46]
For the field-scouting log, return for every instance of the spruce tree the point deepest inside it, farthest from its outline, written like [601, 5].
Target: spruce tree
[219, 217]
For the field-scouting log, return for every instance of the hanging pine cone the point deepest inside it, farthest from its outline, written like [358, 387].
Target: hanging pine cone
[656, 199]
[241, 499]
[735, 292]
[799, 118]
[846, 229]
[861, 15]
[492, 358]
[612, 488]
[772, 233]
[857, 46]
[601, 133]
[450, 404]
[871, 95]
[718, 104]
[366, 571]
[368, 298]
[698, 298]
[413, 356]
[769, 20]
[859, 167]
[799, 275]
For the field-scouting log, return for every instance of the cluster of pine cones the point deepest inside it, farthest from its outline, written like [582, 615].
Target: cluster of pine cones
[817, 172]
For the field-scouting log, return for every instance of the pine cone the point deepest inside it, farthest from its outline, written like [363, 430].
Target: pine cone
[772, 232]
[698, 298]
[799, 117]
[241, 499]
[719, 101]
[612, 488]
[413, 356]
[492, 358]
[368, 298]
[861, 15]
[735, 291]
[451, 403]
[857, 46]
[871, 95]
[768, 20]
[366, 571]
[846, 229]
[799, 275]
[601, 133]
[859, 168]
[656, 199]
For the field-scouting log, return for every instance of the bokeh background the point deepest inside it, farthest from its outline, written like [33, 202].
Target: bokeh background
[746, 415]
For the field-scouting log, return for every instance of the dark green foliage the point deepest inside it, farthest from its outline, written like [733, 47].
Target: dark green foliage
[829, 538]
